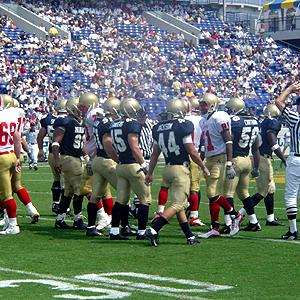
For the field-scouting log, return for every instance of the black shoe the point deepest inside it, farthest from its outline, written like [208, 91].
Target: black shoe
[79, 225]
[153, 238]
[30, 167]
[55, 207]
[274, 223]
[140, 237]
[290, 236]
[70, 214]
[225, 229]
[61, 224]
[128, 231]
[117, 237]
[252, 227]
[92, 231]
[192, 241]
[35, 168]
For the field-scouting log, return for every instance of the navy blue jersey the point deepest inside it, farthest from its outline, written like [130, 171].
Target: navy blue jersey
[245, 130]
[101, 127]
[72, 142]
[47, 123]
[169, 135]
[119, 130]
[268, 125]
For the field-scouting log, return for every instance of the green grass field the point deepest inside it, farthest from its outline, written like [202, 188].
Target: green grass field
[46, 263]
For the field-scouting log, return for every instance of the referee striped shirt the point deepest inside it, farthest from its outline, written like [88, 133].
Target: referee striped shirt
[293, 121]
[146, 139]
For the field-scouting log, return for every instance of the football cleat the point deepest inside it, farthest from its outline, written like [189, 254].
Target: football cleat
[92, 231]
[34, 215]
[157, 215]
[4, 222]
[103, 222]
[196, 222]
[128, 231]
[236, 224]
[35, 168]
[213, 233]
[225, 229]
[117, 237]
[10, 230]
[140, 237]
[79, 225]
[274, 223]
[55, 207]
[252, 227]
[153, 238]
[290, 236]
[61, 224]
[192, 241]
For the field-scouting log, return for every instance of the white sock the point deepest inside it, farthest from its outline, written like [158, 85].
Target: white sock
[29, 208]
[270, 217]
[194, 214]
[253, 219]
[242, 211]
[13, 221]
[115, 231]
[141, 232]
[160, 208]
[101, 212]
[293, 225]
[228, 220]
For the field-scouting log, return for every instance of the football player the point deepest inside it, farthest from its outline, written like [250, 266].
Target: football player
[103, 166]
[216, 146]
[173, 138]
[47, 129]
[67, 148]
[244, 132]
[10, 150]
[131, 169]
[265, 184]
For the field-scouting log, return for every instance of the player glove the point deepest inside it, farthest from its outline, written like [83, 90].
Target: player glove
[255, 173]
[230, 172]
[144, 168]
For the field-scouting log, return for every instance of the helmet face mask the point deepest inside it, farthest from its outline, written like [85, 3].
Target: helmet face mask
[235, 105]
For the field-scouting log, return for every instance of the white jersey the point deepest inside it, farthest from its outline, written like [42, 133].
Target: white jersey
[11, 120]
[197, 129]
[211, 132]
[90, 145]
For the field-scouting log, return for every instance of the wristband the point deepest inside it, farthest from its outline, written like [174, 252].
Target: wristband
[144, 165]
[276, 146]
[228, 163]
[228, 142]
[55, 144]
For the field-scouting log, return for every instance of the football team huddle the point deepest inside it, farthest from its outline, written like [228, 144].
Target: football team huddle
[94, 149]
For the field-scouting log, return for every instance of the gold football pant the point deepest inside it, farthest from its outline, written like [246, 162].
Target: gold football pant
[7, 165]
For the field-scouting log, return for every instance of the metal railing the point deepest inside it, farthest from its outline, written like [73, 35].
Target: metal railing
[289, 23]
[257, 3]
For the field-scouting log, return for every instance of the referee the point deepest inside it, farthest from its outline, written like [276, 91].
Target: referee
[146, 144]
[292, 185]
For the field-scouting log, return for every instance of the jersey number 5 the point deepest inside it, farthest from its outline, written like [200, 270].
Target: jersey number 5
[118, 141]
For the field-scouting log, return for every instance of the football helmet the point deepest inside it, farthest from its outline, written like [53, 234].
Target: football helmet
[72, 107]
[16, 103]
[212, 102]
[187, 105]
[89, 99]
[112, 107]
[130, 108]
[60, 106]
[271, 111]
[194, 104]
[6, 101]
[235, 105]
[176, 108]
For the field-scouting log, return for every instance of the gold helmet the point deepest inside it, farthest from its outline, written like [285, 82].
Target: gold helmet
[60, 106]
[176, 108]
[194, 104]
[112, 107]
[16, 103]
[235, 105]
[187, 105]
[130, 108]
[72, 107]
[6, 101]
[271, 111]
[89, 99]
[212, 101]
